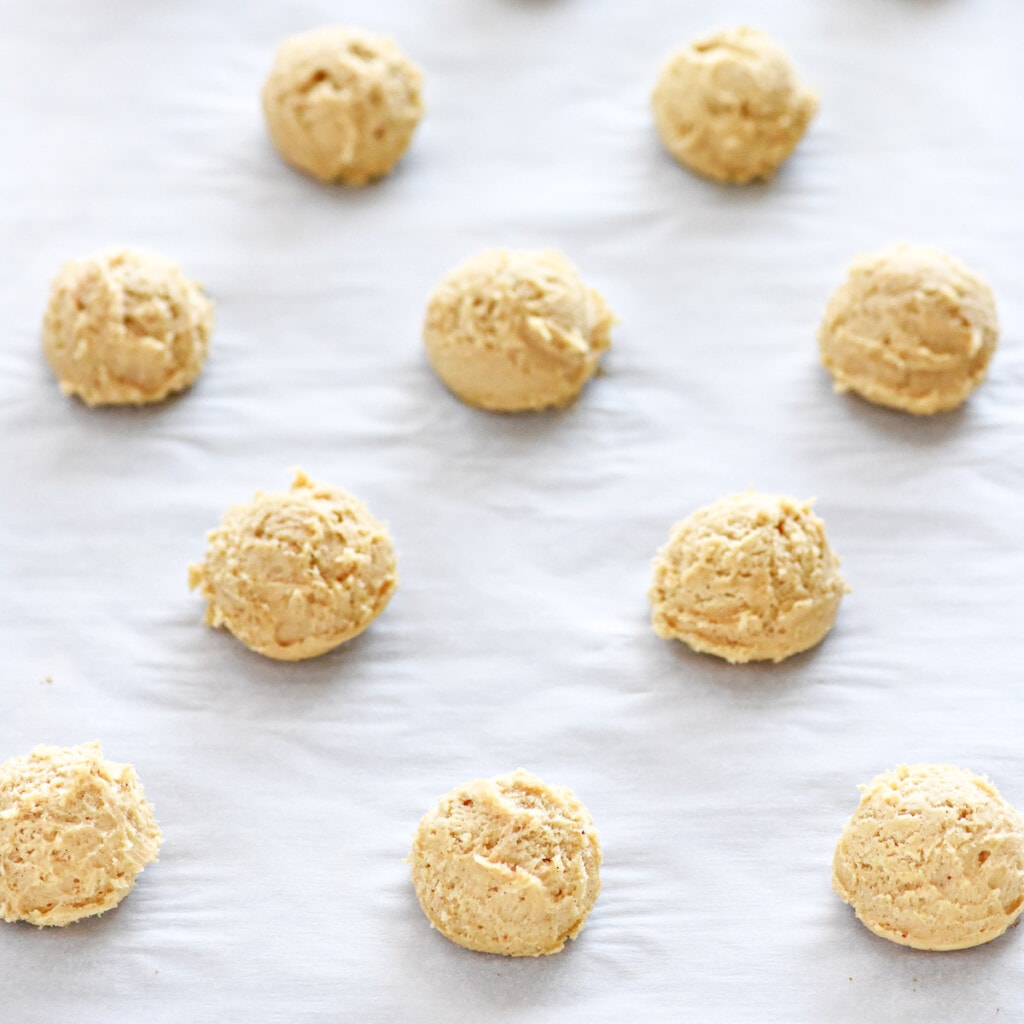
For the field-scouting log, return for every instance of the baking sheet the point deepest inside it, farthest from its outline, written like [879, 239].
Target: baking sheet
[519, 635]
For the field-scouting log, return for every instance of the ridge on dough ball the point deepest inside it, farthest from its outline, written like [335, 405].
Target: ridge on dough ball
[933, 858]
[507, 865]
[342, 104]
[294, 575]
[513, 330]
[76, 830]
[750, 577]
[911, 328]
[125, 327]
[730, 105]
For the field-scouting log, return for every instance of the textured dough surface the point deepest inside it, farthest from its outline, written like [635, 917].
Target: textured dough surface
[516, 330]
[124, 327]
[932, 858]
[750, 577]
[730, 105]
[911, 328]
[75, 832]
[507, 865]
[342, 104]
[294, 575]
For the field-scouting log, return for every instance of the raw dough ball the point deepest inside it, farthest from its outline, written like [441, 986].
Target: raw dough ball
[75, 831]
[294, 575]
[750, 577]
[911, 328]
[730, 106]
[512, 330]
[342, 104]
[507, 865]
[932, 858]
[124, 327]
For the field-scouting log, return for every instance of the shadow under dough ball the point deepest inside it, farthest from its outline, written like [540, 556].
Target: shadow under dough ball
[516, 330]
[507, 865]
[730, 105]
[911, 328]
[342, 104]
[933, 858]
[75, 832]
[125, 327]
[751, 577]
[294, 575]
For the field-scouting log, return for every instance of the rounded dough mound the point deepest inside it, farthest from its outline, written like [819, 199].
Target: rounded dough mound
[75, 832]
[932, 858]
[342, 104]
[730, 106]
[911, 328]
[294, 575]
[516, 330]
[124, 327]
[748, 578]
[507, 865]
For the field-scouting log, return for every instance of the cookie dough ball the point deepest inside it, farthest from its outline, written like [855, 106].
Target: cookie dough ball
[294, 575]
[507, 865]
[932, 858]
[75, 832]
[730, 106]
[342, 104]
[748, 578]
[124, 327]
[911, 328]
[516, 330]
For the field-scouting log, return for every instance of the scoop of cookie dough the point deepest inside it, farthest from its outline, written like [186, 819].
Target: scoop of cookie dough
[730, 105]
[750, 577]
[124, 327]
[516, 330]
[507, 865]
[294, 575]
[932, 858]
[342, 104]
[75, 832]
[911, 328]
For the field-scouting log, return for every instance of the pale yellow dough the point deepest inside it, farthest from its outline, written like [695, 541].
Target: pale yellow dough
[75, 832]
[911, 328]
[516, 330]
[932, 858]
[730, 105]
[125, 327]
[507, 865]
[750, 577]
[342, 104]
[294, 575]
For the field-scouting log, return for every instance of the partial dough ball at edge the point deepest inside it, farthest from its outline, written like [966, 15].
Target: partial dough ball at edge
[932, 858]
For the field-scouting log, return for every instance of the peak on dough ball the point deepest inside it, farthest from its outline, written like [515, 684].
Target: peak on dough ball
[932, 858]
[75, 832]
[507, 865]
[125, 327]
[342, 104]
[911, 328]
[750, 577]
[512, 330]
[730, 105]
[294, 575]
